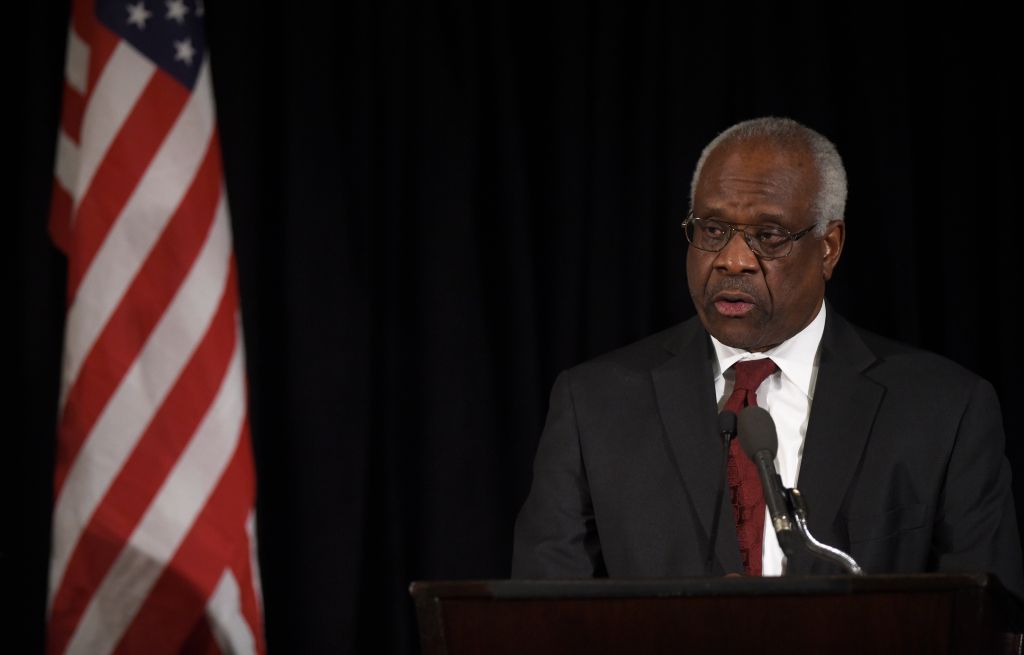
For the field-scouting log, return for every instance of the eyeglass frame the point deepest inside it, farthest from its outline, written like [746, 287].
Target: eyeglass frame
[791, 237]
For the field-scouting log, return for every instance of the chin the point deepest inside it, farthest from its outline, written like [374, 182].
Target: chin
[743, 343]
[735, 332]
[738, 336]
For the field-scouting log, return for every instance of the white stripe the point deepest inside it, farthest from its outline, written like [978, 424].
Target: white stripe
[76, 68]
[141, 392]
[137, 229]
[167, 520]
[224, 612]
[66, 168]
[118, 88]
[254, 558]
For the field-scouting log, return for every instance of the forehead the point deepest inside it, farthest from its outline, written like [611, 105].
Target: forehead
[752, 178]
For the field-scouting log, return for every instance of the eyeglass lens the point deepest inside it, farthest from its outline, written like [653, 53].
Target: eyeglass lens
[712, 235]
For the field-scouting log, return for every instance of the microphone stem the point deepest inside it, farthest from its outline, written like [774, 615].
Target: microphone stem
[716, 518]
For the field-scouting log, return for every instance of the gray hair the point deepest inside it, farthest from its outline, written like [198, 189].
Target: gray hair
[830, 202]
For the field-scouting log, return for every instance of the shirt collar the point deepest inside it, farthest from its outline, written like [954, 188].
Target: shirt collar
[795, 356]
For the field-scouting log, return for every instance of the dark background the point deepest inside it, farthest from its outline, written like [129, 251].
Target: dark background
[439, 205]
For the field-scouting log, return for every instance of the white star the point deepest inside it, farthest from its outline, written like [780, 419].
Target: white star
[176, 10]
[184, 51]
[138, 14]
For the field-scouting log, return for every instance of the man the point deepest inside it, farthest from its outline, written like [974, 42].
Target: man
[898, 452]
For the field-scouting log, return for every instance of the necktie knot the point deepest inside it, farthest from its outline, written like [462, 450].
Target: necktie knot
[749, 376]
[751, 373]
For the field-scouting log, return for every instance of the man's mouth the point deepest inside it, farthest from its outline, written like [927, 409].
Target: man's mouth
[733, 304]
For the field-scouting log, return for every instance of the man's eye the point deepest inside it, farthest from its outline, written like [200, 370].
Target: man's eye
[713, 230]
[771, 237]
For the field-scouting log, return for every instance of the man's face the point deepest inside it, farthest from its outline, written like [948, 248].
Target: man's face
[743, 301]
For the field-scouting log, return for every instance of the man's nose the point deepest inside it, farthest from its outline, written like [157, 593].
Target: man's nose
[737, 257]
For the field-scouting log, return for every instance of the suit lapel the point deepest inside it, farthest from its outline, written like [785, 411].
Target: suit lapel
[685, 392]
[843, 410]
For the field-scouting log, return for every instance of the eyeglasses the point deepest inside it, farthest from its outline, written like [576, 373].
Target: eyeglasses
[767, 241]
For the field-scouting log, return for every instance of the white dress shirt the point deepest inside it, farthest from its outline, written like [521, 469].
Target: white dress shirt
[787, 395]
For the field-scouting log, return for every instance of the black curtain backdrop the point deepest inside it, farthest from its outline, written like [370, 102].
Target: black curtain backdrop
[439, 205]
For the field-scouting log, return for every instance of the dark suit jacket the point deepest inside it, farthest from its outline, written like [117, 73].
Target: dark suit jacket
[903, 465]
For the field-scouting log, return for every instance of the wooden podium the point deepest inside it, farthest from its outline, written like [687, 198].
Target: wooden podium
[867, 615]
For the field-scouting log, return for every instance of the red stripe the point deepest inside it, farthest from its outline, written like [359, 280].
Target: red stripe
[82, 16]
[72, 110]
[138, 482]
[178, 599]
[100, 39]
[242, 564]
[102, 43]
[201, 641]
[243, 570]
[60, 217]
[138, 312]
[122, 167]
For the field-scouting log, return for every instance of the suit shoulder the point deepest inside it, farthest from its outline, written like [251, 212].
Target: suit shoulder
[926, 368]
[638, 357]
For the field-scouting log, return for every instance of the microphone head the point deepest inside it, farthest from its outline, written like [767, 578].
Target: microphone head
[757, 432]
[727, 423]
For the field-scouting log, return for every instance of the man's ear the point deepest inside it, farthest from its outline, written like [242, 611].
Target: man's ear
[835, 235]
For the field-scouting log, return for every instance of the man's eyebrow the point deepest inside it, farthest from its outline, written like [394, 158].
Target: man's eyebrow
[770, 218]
[762, 219]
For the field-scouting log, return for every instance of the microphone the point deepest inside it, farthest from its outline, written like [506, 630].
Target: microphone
[786, 506]
[727, 425]
[760, 442]
[727, 430]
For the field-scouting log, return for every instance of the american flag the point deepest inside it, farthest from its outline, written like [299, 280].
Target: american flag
[153, 527]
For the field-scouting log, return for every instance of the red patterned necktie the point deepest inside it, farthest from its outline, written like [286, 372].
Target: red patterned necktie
[744, 483]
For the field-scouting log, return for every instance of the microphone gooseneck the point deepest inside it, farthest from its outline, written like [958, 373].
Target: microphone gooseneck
[787, 508]
[726, 430]
[815, 547]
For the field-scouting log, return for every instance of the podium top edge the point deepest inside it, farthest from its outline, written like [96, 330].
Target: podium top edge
[724, 586]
